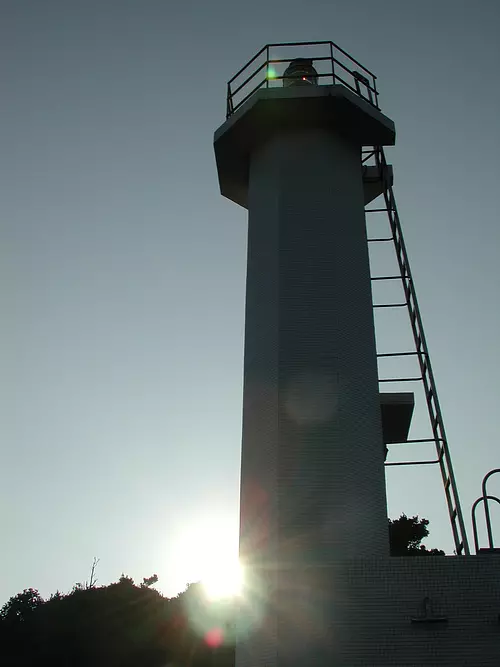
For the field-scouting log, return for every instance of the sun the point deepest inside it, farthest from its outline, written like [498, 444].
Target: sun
[207, 552]
[223, 579]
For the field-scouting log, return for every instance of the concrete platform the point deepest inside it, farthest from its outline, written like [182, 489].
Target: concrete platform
[435, 611]
[275, 110]
[397, 411]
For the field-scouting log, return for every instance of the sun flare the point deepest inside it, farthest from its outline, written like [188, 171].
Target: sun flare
[208, 553]
[223, 580]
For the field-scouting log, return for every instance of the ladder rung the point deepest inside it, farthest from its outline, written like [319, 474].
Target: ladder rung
[417, 379]
[390, 305]
[398, 354]
[406, 442]
[410, 463]
[412, 441]
[381, 240]
[447, 483]
[460, 548]
[376, 210]
[386, 278]
[454, 514]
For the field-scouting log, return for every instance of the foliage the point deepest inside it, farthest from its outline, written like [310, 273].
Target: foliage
[120, 625]
[149, 581]
[406, 535]
[20, 607]
[124, 624]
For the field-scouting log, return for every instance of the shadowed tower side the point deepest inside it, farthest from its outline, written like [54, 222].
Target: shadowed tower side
[312, 470]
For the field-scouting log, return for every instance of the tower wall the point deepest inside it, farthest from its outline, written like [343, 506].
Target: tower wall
[312, 474]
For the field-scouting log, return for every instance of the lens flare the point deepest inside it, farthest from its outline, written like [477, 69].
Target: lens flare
[271, 73]
[223, 579]
[207, 552]
[214, 637]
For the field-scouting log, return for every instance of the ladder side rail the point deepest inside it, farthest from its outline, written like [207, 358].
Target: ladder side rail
[432, 400]
[433, 407]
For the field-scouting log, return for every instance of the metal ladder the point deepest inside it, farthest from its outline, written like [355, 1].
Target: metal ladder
[443, 458]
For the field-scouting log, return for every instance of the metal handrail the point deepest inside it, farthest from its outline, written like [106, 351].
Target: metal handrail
[322, 43]
[481, 499]
[264, 48]
[368, 80]
[486, 507]
[248, 79]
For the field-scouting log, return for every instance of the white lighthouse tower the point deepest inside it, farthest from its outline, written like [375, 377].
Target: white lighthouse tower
[313, 535]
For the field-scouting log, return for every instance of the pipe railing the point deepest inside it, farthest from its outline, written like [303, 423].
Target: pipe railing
[265, 71]
[489, 529]
[481, 499]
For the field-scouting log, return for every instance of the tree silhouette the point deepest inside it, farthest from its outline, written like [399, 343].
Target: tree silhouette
[149, 581]
[120, 625]
[125, 625]
[406, 535]
[20, 607]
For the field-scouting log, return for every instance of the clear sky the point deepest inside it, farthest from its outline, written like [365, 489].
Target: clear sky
[123, 269]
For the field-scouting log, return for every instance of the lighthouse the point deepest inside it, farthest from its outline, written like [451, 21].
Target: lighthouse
[313, 521]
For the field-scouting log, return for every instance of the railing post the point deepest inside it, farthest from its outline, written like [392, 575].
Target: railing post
[374, 79]
[267, 65]
[333, 63]
[228, 101]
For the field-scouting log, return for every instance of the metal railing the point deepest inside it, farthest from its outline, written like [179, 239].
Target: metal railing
[333, 64]
[485, 498]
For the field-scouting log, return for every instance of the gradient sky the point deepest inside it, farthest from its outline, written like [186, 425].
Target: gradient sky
[123, 269]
